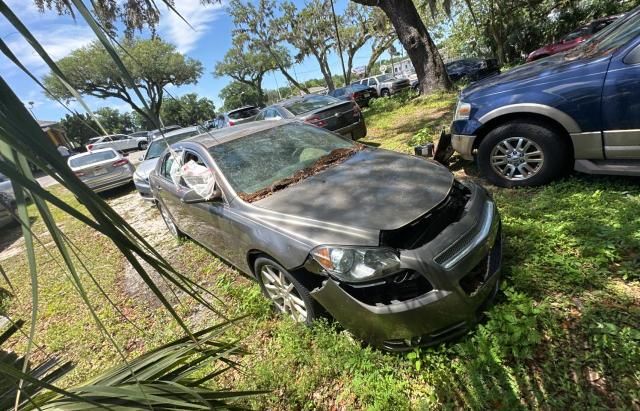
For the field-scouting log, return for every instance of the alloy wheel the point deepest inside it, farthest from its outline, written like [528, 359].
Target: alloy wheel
[283, 293]
[517, 158]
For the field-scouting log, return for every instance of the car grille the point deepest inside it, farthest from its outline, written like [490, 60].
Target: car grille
[403, 286]
[427, 227]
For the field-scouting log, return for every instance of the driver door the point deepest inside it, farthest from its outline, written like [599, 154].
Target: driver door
[205, 221]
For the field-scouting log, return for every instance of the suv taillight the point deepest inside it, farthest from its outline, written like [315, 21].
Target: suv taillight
[89, 147]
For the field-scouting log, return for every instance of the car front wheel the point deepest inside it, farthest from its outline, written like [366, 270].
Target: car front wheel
[285, 292]
[519, 154]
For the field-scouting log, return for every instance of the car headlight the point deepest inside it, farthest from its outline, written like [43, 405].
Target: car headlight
[357, 264]
[463, 110]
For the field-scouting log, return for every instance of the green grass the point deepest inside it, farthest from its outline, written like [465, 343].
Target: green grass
[563, 334]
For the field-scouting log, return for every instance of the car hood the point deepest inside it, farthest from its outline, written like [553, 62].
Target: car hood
[373, 190]
[551, 69]
[146, 167]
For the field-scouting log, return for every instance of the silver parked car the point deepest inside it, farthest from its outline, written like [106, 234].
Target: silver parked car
[150, 158]
[391, 245]
[234, 117]
[102, 169]
[386, 84]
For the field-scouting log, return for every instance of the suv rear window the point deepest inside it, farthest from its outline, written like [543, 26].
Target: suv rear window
[309, 103]
[92, 158]
[243, 113]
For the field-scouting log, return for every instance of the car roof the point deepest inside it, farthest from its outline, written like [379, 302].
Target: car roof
[92, 152]
[219, 136]
[240, 109]
[176, 132]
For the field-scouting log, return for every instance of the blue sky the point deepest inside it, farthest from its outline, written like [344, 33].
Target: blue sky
[207, 43]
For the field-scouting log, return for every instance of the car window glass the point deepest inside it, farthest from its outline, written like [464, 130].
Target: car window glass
[106, 139]
[339, 92]
[575, 34]
[260, 116]
[611, 38]
[243, 113]
[168, 165]
[158, 146]
[633, 57]
[289, 148]
[309, 103]
[95, 157]
[372, 82]
[196, 175]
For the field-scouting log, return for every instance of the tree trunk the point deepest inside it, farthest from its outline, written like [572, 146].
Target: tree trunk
[376, 52]
[416, 41]
[326, 72]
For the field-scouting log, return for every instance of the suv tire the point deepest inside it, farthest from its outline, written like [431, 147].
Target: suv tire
[518, 154]
[384, 93]
[287, 295]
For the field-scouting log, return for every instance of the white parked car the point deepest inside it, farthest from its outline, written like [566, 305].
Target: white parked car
[120, 142]
[102, 169]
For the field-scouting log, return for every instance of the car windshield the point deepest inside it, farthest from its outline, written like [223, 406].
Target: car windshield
[384, 77]
[157, 146]
[611, 38]
[309, 103]
[92, 158]
[244, 113]
[256, 162]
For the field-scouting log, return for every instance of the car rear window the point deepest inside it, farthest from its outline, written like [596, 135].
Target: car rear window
[244, 113]
[309, 103]
[92, 158]
[94, 140]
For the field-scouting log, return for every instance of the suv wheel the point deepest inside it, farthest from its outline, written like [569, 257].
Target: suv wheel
[519, 154]
[384, 93]
[285, 292]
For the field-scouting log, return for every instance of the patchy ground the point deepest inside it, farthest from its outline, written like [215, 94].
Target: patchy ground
[563, 335]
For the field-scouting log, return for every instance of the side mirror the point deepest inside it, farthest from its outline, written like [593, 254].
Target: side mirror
[141, 158]
[191, 197]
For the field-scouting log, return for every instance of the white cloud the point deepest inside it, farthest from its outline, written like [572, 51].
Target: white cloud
[58, 41]
[200, 17]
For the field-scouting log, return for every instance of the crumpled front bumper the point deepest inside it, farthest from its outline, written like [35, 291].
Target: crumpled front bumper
[470, 247]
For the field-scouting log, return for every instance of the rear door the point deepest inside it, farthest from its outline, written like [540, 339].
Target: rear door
[621, 105]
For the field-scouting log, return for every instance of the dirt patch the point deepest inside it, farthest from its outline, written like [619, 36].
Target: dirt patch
[335, 157]
[144, 217]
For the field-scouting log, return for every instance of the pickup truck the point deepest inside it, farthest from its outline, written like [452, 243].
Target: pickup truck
[386, 84]
[119, 142]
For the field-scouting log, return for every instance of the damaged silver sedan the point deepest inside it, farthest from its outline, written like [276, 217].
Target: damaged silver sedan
[390, 245]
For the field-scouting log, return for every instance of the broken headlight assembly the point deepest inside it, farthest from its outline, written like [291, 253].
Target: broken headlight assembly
[357, 264]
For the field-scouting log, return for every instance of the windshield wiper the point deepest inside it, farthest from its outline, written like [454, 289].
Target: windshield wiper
[336, 156]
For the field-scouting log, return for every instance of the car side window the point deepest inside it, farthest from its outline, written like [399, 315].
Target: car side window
[260, 116]
[106, 139]
[633, 57]
[167, 165]
[373, 82]
[272, 113]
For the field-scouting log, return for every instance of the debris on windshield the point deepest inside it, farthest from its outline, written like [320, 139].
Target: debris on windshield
[335, 157]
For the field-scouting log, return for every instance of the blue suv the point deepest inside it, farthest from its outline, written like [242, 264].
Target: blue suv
[579, 109]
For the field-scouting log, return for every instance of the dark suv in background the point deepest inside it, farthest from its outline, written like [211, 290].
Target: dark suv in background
[578, 109]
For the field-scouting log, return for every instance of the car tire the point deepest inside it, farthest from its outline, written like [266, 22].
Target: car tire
[384, 93]
[287, 294]
[142, 145]
[518, 154]
[168, 220]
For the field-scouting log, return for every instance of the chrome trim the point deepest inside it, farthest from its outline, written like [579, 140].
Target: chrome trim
[587, 145]
[609, 167]
[463, 145]
[483, 232]
[569, 124]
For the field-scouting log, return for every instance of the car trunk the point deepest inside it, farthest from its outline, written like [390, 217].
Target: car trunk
[97, 174]
[336, 116]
